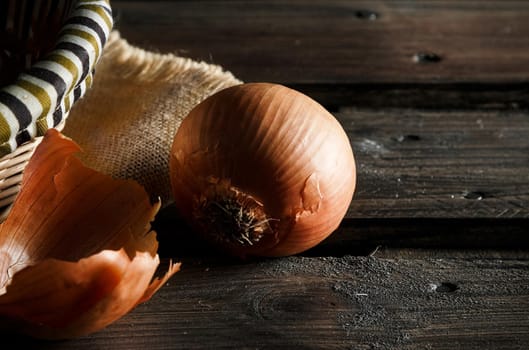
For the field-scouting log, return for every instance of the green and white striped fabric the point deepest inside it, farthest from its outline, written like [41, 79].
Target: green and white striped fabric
[41, 96]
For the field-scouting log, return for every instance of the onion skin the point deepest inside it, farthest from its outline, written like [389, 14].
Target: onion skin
[76, 250]
[261, 155]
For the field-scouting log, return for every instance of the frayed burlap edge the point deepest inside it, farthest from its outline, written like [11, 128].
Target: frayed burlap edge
[136, 63]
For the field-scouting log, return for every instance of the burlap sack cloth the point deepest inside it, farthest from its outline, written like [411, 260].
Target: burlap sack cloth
[126, 122]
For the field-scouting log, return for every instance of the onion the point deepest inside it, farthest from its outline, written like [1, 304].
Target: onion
[76, 251]
[260, 169]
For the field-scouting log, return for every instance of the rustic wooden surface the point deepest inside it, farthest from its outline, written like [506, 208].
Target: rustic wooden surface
[434, 250]
[329, 303]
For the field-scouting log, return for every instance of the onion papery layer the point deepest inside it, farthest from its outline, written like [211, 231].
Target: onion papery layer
[270, 155]
[76, 251]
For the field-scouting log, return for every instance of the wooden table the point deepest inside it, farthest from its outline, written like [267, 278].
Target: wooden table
[433, 252]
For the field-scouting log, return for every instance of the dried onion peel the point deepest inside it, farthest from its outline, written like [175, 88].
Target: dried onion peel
[76, 251]
[260, 169]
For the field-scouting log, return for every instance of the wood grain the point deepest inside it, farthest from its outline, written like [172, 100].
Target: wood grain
[346, 41]
[449, 164]
[328, 303]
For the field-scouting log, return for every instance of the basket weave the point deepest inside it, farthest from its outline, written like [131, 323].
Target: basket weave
[49, 52]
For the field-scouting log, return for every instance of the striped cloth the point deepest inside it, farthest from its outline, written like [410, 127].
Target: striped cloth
[41, 96]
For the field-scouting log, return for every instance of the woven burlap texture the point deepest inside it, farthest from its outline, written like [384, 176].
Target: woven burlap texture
[126, 122]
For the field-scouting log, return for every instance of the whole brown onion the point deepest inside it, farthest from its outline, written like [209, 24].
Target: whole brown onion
[260, 169]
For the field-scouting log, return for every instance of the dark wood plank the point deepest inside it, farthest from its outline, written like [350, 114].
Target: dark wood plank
[328, 303]
[450, 164]
[345, 41]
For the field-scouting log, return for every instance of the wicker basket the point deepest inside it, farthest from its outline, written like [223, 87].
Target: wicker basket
[49, 50]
